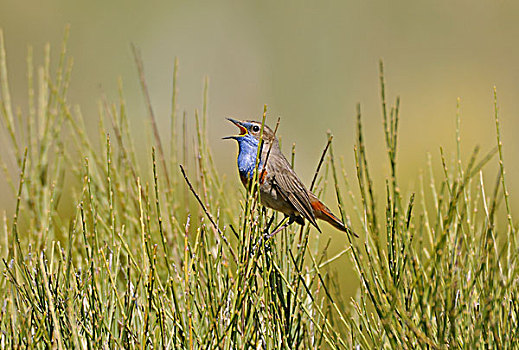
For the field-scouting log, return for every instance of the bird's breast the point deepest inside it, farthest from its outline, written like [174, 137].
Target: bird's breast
[245, 177]
[247, 159]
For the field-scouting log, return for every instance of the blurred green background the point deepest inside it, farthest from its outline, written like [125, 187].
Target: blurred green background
[310, 62]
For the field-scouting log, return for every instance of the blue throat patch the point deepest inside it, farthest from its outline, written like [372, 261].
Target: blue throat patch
[247, 156]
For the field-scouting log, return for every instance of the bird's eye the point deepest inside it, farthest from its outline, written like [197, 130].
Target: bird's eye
[255, 128]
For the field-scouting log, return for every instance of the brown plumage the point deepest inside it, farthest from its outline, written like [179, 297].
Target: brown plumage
[280, 187]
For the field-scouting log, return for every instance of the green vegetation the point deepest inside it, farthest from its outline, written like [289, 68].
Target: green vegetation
[126, 254]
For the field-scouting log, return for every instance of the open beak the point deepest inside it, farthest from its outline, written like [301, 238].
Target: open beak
[239, 124]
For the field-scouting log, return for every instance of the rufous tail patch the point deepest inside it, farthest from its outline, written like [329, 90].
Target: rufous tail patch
[322, 212]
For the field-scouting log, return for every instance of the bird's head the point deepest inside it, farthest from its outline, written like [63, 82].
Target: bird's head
[251, 130]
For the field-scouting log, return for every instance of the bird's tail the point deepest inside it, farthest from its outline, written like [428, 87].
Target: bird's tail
[322, 212]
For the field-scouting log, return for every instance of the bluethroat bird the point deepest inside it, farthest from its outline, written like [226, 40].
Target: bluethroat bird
[279, 186]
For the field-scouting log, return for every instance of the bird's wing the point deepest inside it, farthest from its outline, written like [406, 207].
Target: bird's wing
[292, 189]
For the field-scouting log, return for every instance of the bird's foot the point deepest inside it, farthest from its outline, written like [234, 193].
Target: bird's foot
[269, 236]
[280, 227]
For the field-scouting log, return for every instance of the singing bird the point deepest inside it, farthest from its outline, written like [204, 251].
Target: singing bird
[280, 188]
